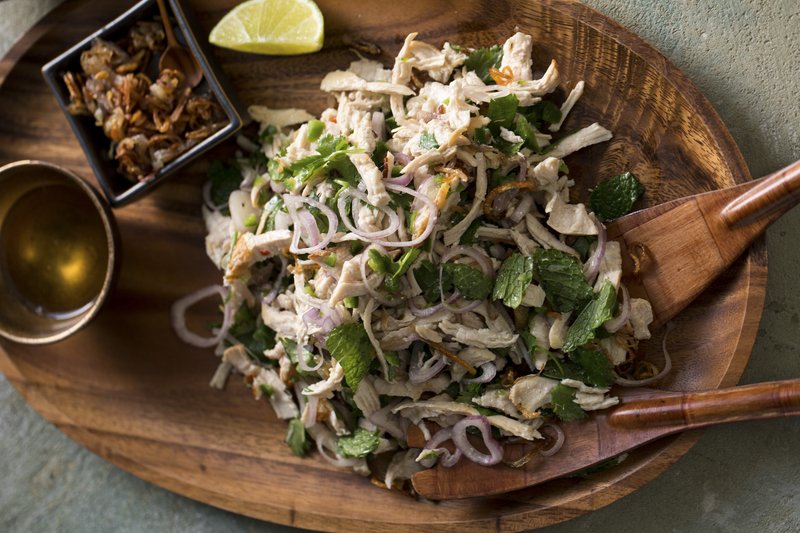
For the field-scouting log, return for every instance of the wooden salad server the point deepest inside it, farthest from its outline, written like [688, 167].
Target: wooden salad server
[681, 247]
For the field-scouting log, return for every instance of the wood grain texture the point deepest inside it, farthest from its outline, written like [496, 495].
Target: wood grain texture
[127, 389]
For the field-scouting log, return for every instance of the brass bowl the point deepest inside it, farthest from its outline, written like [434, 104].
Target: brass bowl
[57, 252]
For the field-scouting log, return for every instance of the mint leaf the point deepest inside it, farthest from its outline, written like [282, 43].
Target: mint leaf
[296, 438]
[502, 111]
[513, 278]
[615, 196]
[564, 406]
[249, 330]
[469, 281]
[427, 141]
[350, 346]
[482, 59]
[561, 277]
[543, 112]
[468, 237]
[597, 370]
[596, 312]
[360, 444]
[224, 180]
[427, 276]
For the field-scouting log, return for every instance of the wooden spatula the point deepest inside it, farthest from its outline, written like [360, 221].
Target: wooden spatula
[682, 247]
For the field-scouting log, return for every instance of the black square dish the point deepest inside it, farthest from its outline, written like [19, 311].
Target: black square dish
[118, 188]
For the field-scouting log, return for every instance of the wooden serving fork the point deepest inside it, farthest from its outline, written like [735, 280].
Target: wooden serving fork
[682, 247]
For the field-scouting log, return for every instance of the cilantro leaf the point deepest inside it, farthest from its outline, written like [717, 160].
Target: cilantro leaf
[543, 112]
[427, 141]
[350, 346]
[427, 276]
[249, 330]
[564, 406]
[224, 180]
[331, 154]
[360, 444]
[596, 312]
[296, 437]
[482, 59]
[382, 264]
[597, 370]
[399, 268]
[615, 196]
[513, 278]
[561, 277]
[524, 129]
[502, 111]
[469, 281]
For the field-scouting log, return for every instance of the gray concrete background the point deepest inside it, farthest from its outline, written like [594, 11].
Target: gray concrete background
[745, 56]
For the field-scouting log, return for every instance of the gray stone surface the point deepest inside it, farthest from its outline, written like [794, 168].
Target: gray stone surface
[745, 56]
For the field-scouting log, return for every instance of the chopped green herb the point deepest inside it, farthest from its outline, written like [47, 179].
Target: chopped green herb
[427, 276]
[267, 390]
[331, 155]
[513, 278]
[564, 406]
[582, 244]
[379, 155]
[382, 264]
[427, 141]
[251, 220]
[249, 330]
[469, 281]
[400, 267]
[224, 180]
[296, 438]
[543, 112]
[615, 196]
[350, 302]
[561, 277]
[468, 237]
[330, 260]
[272, 207]
[267, 134]
[596, 312]
[351, 347]
[597, 370]
[524, 129]
[482, 59]
[502, 111]
[315, 129]
[482, 135]
[360, 444]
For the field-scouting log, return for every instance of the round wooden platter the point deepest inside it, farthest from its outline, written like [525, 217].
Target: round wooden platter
[129, 390]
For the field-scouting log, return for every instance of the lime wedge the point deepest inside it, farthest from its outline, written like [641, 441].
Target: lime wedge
[278, 27]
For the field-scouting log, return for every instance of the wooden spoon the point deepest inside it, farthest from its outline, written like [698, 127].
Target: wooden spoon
[177, 57]
[683, 246]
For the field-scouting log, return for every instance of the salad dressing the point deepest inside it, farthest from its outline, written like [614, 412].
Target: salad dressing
[53, 251]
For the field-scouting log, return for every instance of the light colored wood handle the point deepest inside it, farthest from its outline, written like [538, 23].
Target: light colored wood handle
[162, 8]
[698, 409]
[773, 195]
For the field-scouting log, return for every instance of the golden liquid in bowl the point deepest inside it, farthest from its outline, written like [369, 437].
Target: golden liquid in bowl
[54, 251]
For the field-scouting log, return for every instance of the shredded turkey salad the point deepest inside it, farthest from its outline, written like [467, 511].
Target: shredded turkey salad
[411, 257]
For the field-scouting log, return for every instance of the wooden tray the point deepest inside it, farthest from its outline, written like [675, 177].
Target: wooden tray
[129, 390]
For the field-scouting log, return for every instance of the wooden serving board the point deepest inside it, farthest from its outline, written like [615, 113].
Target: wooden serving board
[129, 390]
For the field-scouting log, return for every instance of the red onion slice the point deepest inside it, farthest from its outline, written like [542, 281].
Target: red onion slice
[488, 372]
[402, 159]
[432, 218]
[178, 314]
[522, 209]
[460, 439]
[552, 450]
[652, 379]
[447, 459]
[309, 226]
[292, 203]
[403, 179]
[341, 203]
[592, 265]
[616, 323]
[420, 371]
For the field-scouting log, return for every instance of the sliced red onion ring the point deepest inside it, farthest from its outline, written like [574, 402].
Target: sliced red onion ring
[616, 323]
[434, 213]
[428, 311]
[480, 257]
[552, 450]
[309, 226]
[403, 179]
[326, 442]
[462, 442]
[292, 203]
[207, 198]
[488, 372]
[522, 209]
[403, 159]
[592, 265]
[420, 371]
[178, 315]
[447, 459]
[394, 219]
[667, 367]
